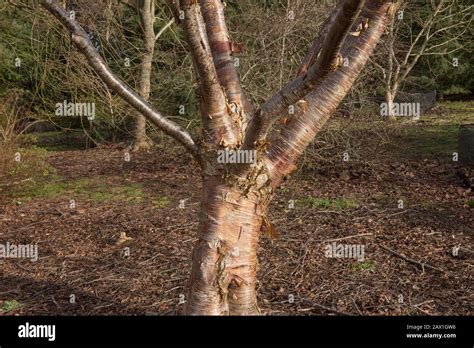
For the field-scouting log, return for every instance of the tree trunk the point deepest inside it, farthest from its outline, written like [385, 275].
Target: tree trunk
[147, 15]
[389, 99]
[235, 198]
[223, 277]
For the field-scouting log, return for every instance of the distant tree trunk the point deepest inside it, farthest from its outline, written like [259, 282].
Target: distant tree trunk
[389, 99]
[147, 16]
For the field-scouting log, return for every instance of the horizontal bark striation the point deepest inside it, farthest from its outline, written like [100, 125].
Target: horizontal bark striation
[327, 62]
[217, 124]
[223, 56]
[234, 201]
[320, 103]
[225, 257]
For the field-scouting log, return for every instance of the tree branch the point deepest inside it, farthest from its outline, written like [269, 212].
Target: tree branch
[223, 55]
[217, 122]
[85, 46]
[315, 48]
[327, 62]
[319, 104]
[162, 30]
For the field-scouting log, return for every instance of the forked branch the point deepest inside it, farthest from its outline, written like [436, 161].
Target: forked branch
[315, 48]
[223, 50]
[320, 103]
[217, 123]
[328, 61]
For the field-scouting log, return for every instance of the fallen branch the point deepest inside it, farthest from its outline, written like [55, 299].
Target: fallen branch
[348, 237]
[394, 214]
[329, 309]
[421, 264]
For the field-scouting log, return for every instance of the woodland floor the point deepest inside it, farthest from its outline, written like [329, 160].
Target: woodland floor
[354, 202]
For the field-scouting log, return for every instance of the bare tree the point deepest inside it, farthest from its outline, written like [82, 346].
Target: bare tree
[418, 30]
[146, 9]
[236, 194]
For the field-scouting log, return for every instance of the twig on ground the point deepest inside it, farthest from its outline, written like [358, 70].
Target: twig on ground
[394, 214]
[421, 264]
[348, 237]
[333, 310]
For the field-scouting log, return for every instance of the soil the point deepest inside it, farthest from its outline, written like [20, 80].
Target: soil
[409, 267]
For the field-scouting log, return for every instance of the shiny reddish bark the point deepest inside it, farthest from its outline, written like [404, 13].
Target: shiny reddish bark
[224, 267]
[235, 198]
[322, 101]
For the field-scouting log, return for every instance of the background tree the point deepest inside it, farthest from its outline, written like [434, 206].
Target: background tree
[419, 29]
[146, 9]
[235, 197]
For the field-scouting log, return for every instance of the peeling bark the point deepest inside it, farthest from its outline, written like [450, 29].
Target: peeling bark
[223, 56]
[235, 198]
[328, 61]
[321, 102]
[223, 277]
[217, 122]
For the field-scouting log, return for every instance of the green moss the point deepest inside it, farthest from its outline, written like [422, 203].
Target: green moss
[323, 203]
[161, 202]
[128, 193]
[364, 266]
[96, 189]
[470, 203]
[9, 306]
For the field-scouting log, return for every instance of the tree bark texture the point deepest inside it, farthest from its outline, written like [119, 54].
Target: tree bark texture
[223, 278]
[235, 197]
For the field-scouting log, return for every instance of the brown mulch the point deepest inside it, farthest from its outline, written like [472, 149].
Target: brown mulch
[79, 255]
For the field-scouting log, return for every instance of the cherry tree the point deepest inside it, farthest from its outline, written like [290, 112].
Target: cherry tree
[236, 194]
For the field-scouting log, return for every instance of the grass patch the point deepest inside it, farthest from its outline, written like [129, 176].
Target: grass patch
[19, 164]
[96, 189]
[435, 135]
[11, 305]
[459, 111]
[470, 203]
[364, 266]
[324, 203]
[429, 141]
[161, 202]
